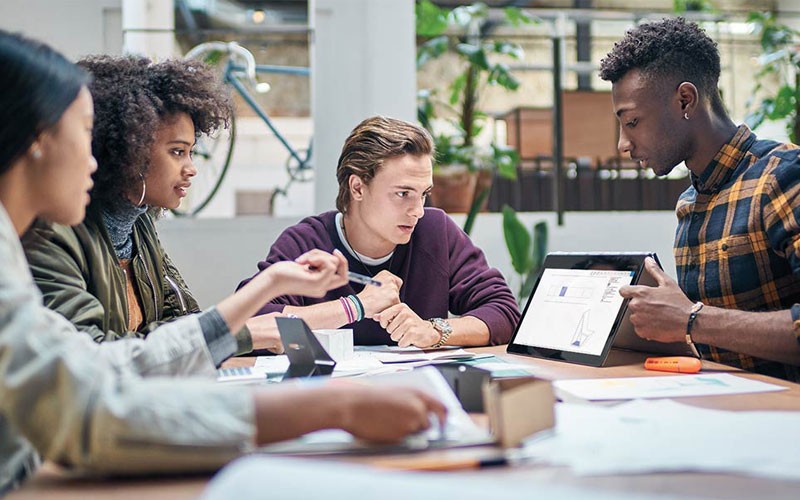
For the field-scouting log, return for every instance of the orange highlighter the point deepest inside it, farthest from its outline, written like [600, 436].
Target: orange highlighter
[678, 364]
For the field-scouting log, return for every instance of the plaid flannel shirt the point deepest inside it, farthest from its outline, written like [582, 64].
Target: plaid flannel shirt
[737, 245]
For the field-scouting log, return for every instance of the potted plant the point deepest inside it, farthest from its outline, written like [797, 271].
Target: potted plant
[778, 80]
[464, 167]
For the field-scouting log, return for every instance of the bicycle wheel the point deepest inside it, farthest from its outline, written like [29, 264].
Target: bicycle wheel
[300, 171]
[212, 157]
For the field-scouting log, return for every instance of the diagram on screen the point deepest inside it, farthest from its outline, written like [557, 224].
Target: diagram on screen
[582, 331]
[573, 310]
[570, 292]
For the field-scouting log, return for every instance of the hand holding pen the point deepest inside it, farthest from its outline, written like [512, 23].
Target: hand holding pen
[362, 279]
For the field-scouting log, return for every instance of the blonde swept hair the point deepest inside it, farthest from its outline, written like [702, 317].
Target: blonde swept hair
[370, 144]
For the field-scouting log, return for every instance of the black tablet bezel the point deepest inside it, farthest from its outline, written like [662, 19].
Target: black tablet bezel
[562, 260]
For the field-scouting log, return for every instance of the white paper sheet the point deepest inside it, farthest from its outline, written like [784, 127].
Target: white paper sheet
[659, 436]
[417, 355]
[659, 387]
[359, 364]
[371, 360]
[301, 479]
[460, 430]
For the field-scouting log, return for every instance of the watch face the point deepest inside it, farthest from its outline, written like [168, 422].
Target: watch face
[442, 325]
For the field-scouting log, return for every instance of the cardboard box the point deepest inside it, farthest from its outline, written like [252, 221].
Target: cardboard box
[518, 407]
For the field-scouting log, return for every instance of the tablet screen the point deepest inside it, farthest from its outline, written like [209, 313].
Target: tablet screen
[573, 310]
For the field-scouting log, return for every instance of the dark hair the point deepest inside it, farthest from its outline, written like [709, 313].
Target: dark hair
[37, 84]
[373, 141]
[670, 51]
[133, 97]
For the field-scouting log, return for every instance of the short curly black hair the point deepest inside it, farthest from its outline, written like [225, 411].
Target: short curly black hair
[669, 51]
[133, 96]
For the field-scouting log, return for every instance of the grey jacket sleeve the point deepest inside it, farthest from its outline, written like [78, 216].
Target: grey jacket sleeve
[105, 406]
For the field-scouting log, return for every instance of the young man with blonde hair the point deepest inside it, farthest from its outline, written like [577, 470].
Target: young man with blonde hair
[428, 267]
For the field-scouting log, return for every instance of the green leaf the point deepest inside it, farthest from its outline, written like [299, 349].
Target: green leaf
[506, 159]
[500, 75]
[474, 54]
[539, 246]
[212, 58]
[431, 20]
[432, 49]
[527, 286]
[474, 209]
[756, 17]
[538, 256]
[507, 48]
[783, 105]
[517, 17]
[425, 111]
[457, 87]
[755, 118]
[464, 15]
[518, 241]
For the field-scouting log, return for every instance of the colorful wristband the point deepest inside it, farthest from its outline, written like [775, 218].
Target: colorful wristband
[348, 309]
[358, 305]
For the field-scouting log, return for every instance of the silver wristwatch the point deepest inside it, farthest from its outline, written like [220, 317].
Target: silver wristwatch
[443, 327]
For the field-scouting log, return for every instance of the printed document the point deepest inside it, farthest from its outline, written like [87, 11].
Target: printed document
[647, 436]
[674, 386]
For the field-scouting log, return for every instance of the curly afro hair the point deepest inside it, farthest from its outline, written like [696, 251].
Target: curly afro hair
[133, 97]
[669, 51]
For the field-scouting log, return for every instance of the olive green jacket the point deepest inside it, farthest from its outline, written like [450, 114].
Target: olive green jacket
[78, 273]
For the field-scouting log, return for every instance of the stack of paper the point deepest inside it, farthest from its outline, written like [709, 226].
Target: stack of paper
[600, 389]
[659, 436]
[371, 360]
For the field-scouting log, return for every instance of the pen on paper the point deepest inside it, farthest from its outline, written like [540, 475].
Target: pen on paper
[364, 280]
[441, 464]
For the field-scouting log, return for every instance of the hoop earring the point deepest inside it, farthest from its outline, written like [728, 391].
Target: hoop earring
[144, 190]
[686, 116]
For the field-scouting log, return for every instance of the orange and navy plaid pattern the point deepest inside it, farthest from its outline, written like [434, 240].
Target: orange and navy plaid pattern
[737, 245]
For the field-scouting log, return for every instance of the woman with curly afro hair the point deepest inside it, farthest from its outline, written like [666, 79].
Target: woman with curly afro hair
[110, 275]
[108, 408]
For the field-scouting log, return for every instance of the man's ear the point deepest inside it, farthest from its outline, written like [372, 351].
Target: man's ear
[688, 97]
[356, 187]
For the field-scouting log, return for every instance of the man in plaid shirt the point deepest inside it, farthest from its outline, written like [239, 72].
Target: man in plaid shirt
[737, 246]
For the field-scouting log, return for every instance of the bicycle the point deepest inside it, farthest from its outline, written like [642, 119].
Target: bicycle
[212, 154]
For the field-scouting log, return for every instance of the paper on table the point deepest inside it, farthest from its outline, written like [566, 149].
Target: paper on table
[366, 360]
[273, 364]
[420, 355]
[398, 349]
[497, 367]
[460, 429]
[659, 387]
[357, 365]
[658, 436]
[295, 478]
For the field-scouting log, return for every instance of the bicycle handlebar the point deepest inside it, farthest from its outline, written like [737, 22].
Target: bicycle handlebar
[234, 51]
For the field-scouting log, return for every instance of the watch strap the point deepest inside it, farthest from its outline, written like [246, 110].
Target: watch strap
[443, 327]
[695, 310]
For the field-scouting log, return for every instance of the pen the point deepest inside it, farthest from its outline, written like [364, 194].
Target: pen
[364, 280]
[441, 464]
[678, 364]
